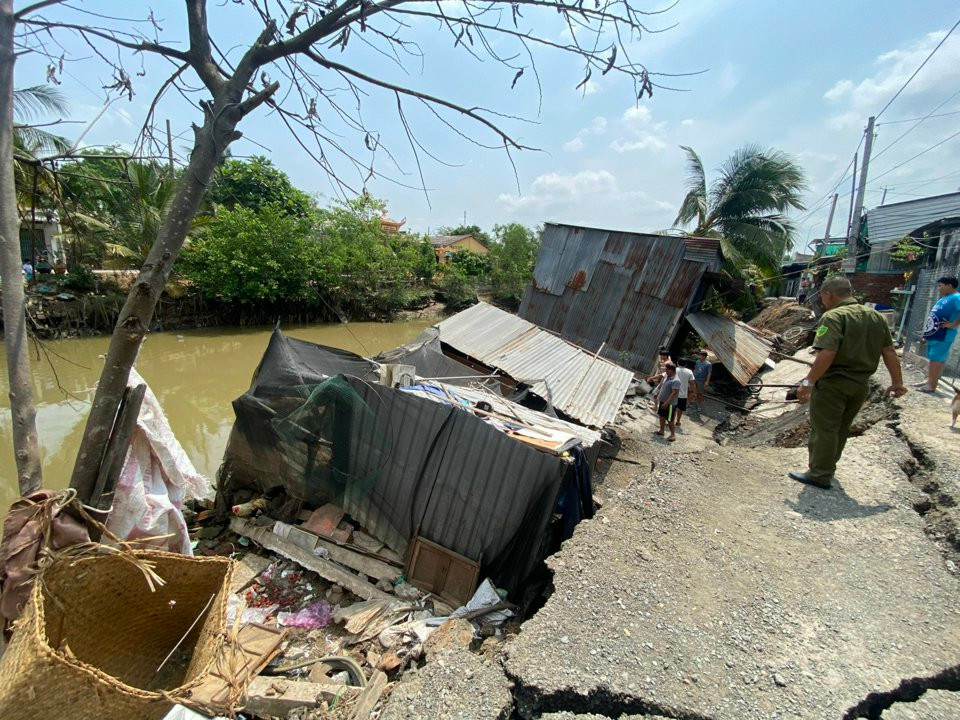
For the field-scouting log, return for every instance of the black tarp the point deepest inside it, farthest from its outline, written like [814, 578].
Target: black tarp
[416, 466]
[426, 355]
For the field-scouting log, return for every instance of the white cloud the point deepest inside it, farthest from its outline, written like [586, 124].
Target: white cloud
[687, 122]
[565, 193]
[729, 79]
[840, 89]
[642, 133]
[647, 142]
[597, 126]
[893, 68]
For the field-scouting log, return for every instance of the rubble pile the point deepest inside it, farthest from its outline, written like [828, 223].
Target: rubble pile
[792, 322]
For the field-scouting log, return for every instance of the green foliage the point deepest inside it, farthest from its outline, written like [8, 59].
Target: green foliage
[472, 264]
[457, 289]
[255, 184]
[112, 208]
[512, 257]
[78, 280]
[908, 251]
[250, 255]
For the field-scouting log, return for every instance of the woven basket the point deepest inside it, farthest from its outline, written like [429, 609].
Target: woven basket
[93, 634]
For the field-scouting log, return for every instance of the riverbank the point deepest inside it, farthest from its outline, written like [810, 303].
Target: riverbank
[56, 314]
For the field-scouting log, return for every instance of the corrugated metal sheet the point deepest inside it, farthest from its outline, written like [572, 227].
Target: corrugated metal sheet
[585, 388]
[739, 349]
[629, 290]
[889, 223]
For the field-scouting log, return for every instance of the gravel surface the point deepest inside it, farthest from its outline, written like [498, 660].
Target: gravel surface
[714, 587]
[453, 684]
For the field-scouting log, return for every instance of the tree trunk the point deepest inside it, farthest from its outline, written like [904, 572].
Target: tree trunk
[134, 320]
[23, 412]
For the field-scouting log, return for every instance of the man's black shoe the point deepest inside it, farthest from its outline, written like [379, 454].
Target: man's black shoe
[807, 480]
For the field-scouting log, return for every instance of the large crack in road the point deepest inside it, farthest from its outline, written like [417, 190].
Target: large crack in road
[711, 588]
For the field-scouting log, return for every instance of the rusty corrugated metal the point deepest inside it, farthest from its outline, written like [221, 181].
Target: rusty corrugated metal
[585, 388]
[627, 290]
[740, 350]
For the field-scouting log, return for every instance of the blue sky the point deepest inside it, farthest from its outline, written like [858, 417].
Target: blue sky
[799, 77]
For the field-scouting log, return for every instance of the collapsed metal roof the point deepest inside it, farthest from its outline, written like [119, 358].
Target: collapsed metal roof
[622, 292]
[585, 387]
[737, 345]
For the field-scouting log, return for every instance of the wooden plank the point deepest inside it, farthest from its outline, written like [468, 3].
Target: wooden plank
[370, 696]
[116, 451]
[361, 563]
[256, 645]
[325, 568]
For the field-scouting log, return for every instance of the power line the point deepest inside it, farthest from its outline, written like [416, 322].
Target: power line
[915, 72]
[910, 159]
[916, 124]
[925, 117]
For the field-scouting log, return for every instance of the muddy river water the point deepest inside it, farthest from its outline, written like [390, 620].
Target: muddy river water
[195, 375]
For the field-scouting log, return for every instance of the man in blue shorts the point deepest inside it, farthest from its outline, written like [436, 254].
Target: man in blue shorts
[940, 330]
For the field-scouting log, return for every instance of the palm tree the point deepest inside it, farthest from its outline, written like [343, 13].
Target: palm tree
[29, 142]
[136, 208]
[745, 207]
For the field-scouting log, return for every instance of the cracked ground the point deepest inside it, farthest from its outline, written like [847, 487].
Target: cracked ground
[712, 587]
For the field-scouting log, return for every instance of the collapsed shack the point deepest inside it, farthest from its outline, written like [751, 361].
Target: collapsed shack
[468, 492]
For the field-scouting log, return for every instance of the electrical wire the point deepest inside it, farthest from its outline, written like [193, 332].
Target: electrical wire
[925, 117]
[914, 157]
[915, 125]
[915, 72]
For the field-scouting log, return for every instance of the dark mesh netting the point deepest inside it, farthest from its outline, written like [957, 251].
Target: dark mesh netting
[335, 443]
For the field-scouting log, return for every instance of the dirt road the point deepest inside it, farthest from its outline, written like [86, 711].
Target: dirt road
[710, 586]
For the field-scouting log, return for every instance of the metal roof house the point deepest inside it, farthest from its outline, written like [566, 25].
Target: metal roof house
[621, 294]
[883, 226]
[582, 385]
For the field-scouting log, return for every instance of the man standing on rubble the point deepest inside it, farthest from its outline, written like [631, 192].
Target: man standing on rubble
[850, 341]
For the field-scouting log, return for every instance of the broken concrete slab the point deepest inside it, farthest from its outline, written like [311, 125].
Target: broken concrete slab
[727, 592]
[275, 697]
[932, 705]
[455, 684]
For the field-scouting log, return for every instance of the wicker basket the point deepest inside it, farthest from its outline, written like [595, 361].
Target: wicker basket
[91, 639]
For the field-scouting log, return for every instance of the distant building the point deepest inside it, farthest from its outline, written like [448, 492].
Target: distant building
[391, 227]
[40, 236]
[444, 246]
[933, 220]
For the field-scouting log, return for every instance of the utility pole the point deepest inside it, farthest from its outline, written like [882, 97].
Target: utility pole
[826, 233]
[853, 195]
[169, 147]
[884, 198]
[850, 262]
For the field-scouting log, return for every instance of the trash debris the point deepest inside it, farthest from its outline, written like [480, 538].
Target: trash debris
[486, 596]
[313, 617]
[368, 619]
[247, 509]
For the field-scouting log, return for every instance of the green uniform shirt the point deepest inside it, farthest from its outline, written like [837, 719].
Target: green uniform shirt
[857, 334]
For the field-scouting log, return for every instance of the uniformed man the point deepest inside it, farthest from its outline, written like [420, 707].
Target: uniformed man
[850, 341]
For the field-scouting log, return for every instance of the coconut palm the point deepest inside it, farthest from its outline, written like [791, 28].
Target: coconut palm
[745, 207]
[30, 142]
[135, 208]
